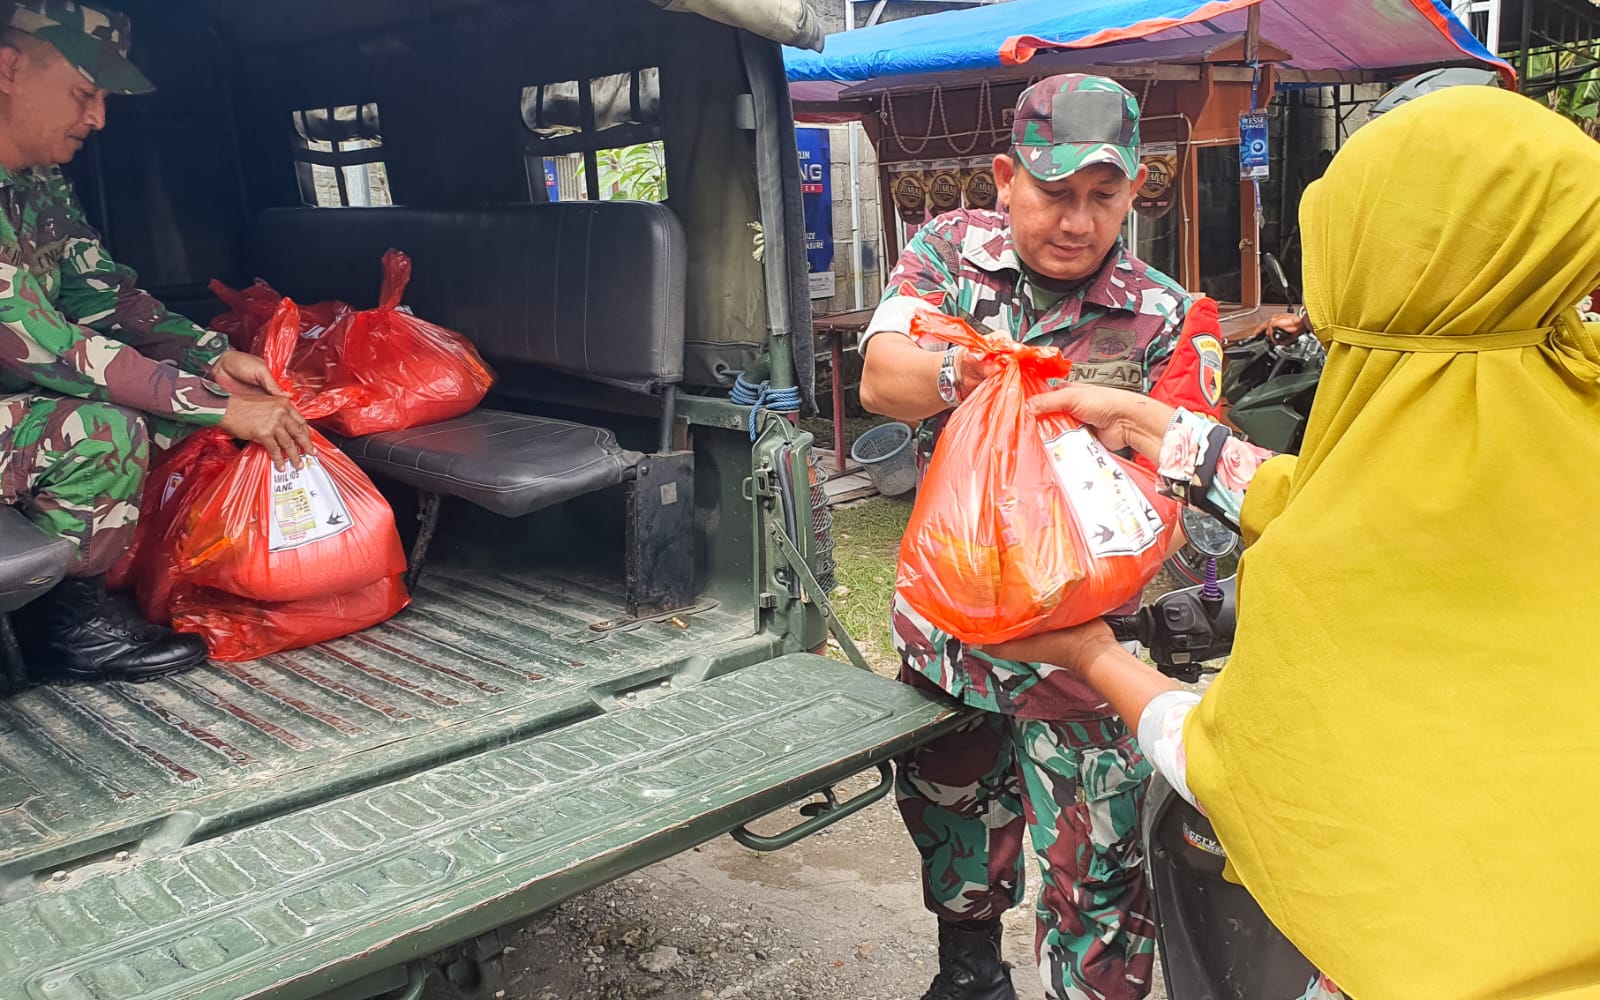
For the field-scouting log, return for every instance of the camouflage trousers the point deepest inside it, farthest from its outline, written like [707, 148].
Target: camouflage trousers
[1077, 790]
[75, 468]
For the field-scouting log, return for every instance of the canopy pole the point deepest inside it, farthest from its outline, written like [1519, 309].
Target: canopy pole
[1527, 33]
[857, 284]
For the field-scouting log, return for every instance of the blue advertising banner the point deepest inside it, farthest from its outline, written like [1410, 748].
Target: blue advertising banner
[817, 187]
[1252, 146]
[552, 189]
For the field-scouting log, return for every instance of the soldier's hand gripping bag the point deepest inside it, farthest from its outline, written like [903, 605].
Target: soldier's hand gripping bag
[1024, 523]
[414, 372]
[296, 533]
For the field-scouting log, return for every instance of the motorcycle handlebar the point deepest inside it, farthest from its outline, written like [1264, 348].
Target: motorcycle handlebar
[1125, 628]
[1183, 628]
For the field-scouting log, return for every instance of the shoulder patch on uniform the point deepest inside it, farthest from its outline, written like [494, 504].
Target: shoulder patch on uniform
[1209, 349]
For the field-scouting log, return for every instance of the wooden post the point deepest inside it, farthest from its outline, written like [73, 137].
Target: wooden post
[1249, 227]
[1189, 205]
[1249, 252]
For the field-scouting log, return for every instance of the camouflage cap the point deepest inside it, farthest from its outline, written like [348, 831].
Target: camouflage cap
[93, 39]
[1067, 122]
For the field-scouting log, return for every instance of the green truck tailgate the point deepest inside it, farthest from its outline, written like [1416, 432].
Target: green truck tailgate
[310, 900]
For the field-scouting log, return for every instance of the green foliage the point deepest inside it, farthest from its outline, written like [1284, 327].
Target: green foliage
[866, 540]
[633, 173]
[1579, 100]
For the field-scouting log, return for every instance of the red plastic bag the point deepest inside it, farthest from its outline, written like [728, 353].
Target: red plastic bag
[237, 628]
[1024, 524]
[297, 533]
[150, 566]
[250, 310]
[415, 372]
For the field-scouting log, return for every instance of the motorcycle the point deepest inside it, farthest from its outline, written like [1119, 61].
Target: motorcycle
[1269, 380]
[1215, 942]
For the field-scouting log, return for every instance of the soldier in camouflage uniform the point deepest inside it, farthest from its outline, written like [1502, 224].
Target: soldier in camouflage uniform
[91, 367]
[1046, 757]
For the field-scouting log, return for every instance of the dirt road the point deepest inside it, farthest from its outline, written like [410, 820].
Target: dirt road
[837, 917]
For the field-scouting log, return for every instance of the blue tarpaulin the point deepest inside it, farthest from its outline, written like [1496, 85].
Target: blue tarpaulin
[1319, 35]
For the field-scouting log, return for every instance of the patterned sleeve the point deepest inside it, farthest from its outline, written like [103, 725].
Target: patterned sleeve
[923, 279]
[42, 346]
[1198, 453]
[105, 296]
[1160, 736]
[1159, 351]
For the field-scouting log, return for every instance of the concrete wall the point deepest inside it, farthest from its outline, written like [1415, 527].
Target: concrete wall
[872, 264]
[871, 257]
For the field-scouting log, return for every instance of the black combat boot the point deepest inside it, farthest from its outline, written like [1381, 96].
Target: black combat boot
[76, 632]
[969, 964]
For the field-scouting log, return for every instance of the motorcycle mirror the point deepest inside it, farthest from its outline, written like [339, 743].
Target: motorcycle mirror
[1273, 268]
[1209, 536]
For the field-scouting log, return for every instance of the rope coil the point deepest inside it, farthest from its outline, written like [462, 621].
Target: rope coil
[763, 397]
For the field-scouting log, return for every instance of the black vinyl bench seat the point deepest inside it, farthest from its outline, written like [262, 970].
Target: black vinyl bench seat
[31, 562]
[509, 463]
[593, 290]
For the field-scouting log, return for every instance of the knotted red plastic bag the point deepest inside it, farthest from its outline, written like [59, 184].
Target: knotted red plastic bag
[249, 311]
[414, 372]
[150, 566]
[296, 533]
[1024, 523]
[238, 628]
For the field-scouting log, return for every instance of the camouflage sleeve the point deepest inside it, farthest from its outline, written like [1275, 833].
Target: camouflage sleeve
[40, 345]
[105, 296]
[923, 278]
[1159, 349]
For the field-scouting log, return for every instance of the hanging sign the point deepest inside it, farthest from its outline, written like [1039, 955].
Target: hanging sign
[816, 190]
[1252, 147]
[978, 189]
[944, 191]
[910, 196]
[1156, 196]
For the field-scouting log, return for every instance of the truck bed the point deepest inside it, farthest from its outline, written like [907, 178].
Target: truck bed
[476, 661]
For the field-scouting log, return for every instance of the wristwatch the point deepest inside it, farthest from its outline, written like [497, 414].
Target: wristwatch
[949, 382]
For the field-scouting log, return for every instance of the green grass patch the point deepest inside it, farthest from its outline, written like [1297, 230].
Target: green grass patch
[866, 540]
[821, 428]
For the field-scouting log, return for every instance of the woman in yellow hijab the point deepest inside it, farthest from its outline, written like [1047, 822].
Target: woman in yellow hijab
[1401, 756]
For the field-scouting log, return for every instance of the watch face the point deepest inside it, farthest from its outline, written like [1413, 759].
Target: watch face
[947, 381]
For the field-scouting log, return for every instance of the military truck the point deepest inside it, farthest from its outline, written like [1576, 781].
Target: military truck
[613, 651]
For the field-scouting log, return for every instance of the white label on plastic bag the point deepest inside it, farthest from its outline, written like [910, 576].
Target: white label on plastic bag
[306, 507]
[173, 482]
[1113, 514]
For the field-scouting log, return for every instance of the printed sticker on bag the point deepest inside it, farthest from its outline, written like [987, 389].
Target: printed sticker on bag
[1113, 514]
[174, 481]
[306, 507]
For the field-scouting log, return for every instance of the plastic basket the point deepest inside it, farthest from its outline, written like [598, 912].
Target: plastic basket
[886, 453]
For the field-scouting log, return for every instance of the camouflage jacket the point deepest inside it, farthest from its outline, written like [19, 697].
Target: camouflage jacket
[75, 322]
[1119, 329]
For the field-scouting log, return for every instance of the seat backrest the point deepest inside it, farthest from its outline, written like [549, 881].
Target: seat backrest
[589, 288]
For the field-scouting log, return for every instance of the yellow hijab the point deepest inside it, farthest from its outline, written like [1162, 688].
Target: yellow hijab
[1402, 757]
